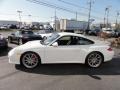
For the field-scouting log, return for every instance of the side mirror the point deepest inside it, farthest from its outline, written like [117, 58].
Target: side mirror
[55, 44]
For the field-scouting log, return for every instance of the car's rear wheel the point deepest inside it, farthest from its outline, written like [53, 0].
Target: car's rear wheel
[30, 60]
[94, 60]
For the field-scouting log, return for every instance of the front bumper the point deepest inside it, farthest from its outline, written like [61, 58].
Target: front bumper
[14, 57]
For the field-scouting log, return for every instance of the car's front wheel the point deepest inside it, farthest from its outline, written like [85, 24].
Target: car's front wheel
[30, 60]
[94, 60]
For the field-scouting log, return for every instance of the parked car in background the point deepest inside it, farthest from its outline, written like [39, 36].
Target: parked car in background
[23, 36]
[109, 32]
[94, 32]
[3, 27]
[117, 33]
[3, 42]
[62, 48]
[45, 33]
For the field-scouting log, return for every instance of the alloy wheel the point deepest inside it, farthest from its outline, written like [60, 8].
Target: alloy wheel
[30, 60]
[94, 60]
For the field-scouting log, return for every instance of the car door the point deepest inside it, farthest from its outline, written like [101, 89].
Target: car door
[67, 51]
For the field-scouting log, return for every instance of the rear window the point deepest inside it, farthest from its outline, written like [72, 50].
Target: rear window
[84, 41]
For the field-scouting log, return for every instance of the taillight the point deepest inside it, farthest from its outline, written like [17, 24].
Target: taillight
[110, 49]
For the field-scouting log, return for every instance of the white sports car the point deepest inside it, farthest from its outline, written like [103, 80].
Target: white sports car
[62, 48]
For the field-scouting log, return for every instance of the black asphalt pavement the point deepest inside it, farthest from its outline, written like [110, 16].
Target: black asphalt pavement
[59, 76]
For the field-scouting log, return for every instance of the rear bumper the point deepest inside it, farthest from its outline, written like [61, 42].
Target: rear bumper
[109, 56]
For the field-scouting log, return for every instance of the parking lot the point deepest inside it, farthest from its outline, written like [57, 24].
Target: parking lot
[59, 76]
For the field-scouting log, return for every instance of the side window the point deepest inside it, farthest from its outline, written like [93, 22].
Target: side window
[68, 40]
[84, 41]
[73, 40]
[64, 40]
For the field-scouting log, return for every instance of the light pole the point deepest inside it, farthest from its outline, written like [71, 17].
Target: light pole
[107, 12]
[105, 17]
[76, 16]
[89, 13]
[20, 22]
[29, 17]
[30, 22]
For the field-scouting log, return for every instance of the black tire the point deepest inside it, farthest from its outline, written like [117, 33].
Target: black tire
[94, 59]
[30, 63]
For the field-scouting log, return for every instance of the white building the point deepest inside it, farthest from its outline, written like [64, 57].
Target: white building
[72, 25]
[5, 23]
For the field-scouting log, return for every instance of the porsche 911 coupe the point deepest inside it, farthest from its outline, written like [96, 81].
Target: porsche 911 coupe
[23, 36]
[62, 48]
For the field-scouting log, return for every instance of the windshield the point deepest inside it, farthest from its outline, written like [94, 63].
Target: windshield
[51, 39]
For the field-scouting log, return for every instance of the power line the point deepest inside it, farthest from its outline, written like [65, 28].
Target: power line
[59, 8]
[75, 5]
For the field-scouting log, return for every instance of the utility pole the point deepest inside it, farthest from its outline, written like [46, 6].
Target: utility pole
[89, 13]
[55, 19]
[107, 17]
[20, 21]
[117, 19]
